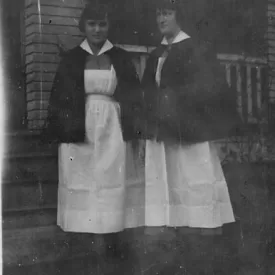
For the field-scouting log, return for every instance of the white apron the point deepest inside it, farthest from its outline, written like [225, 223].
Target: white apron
[185, 186]
[91, 193]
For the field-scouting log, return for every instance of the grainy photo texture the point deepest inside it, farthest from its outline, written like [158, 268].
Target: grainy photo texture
[139, 137]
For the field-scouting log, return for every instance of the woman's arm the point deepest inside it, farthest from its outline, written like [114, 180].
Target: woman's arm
[130, 97]
[150, 96]
[205, 105]
[206, 77]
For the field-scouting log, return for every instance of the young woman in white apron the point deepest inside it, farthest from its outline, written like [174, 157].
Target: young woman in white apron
[90, 115]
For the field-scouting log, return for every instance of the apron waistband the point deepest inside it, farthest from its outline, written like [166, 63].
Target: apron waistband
[100, 97]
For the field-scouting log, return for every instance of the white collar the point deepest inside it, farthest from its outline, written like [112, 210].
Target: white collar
[106, 47]
[180, 37]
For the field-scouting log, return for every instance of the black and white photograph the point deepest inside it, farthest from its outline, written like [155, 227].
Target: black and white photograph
[137, 137]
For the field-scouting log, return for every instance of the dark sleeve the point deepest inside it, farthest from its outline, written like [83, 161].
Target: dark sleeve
[206, 83]
[148, 74]
[148, 82]
[131, 99]
[150, 95]
[204, 75]
[56, 104]
[208, 105]
[134, 94]
[205, 104]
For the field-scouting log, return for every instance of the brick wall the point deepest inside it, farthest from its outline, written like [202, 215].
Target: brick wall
[49, 26]
[271, 47]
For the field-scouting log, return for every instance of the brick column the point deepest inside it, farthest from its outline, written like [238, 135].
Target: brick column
[271, 47]
[48, 23]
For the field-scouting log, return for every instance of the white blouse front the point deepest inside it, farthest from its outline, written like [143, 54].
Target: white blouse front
[100, 81]
[180, 37]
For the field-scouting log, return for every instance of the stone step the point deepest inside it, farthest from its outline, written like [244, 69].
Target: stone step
[31, 166]
[28, 195]
[26, 141]
[29, 218]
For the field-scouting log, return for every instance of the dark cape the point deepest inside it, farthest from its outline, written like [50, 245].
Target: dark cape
[66, 111]
[194, 102]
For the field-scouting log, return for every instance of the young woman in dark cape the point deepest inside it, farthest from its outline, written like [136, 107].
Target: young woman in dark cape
[188, 106]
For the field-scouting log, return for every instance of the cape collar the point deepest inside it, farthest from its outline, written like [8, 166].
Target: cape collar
[106, 47]
[180, 37]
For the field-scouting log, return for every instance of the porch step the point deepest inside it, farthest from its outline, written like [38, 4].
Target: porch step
[30, 246]
[31, 166]
[29, 183]
[29, 218]
[28, 195]
[26, 141]
[29, 189]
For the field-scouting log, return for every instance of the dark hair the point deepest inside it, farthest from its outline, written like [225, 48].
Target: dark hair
[167, 4]
[93, 11]
[183, 9]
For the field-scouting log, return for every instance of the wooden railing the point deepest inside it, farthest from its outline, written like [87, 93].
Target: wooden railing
[247, 75]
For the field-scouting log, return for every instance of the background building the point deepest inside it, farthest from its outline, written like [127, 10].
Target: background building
[36, 31]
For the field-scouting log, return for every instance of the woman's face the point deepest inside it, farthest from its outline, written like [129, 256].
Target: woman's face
[96, 31]
[167, 22]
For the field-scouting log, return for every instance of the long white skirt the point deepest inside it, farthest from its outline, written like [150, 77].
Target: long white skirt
[91, 193]
[185, 186]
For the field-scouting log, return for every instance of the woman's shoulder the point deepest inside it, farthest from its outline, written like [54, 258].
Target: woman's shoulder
[201, 47]
[120, 53]
[75, 56]
[73, 53]
[121, 58]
